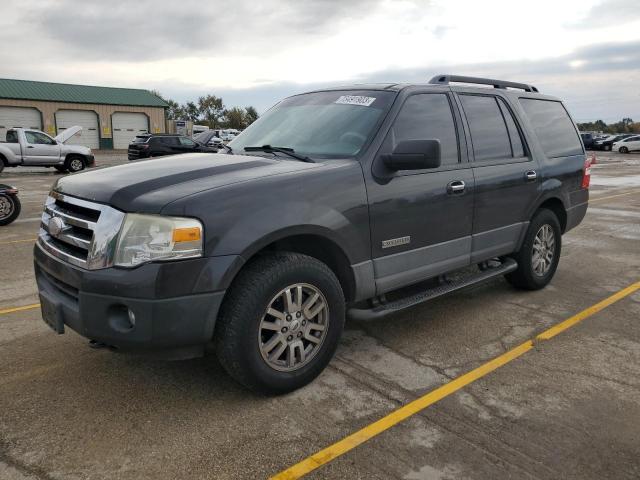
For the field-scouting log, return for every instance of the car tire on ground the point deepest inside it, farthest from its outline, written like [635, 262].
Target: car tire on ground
[9, 208]
[280, 322]
[74, 164]
[540, 252]
[623, 150]
[607, 148]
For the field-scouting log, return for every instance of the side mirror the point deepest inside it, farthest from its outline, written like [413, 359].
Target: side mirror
[414, 155]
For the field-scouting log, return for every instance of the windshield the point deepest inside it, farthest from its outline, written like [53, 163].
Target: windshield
[141, 139]
[334, 124]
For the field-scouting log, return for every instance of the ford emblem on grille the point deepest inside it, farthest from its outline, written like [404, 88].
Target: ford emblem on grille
[56, 226]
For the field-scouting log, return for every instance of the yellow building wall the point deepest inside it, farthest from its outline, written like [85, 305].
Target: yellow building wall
[49, 109]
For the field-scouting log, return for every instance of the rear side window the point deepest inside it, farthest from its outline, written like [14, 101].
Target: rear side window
[12, 137]
[186, 141]
[488, 128]
[553, 127]
[428, 117]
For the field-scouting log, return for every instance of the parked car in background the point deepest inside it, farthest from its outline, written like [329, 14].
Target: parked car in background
[160, 144]
[626, 145]
[33, 148]
[210, 138]
[587, 139]
[229, 134]
[327, 203]
[198, 129]
[607, 142]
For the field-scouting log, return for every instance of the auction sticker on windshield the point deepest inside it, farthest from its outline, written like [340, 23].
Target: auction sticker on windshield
[355, 100]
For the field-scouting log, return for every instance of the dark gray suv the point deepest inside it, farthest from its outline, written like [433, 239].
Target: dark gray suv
[355, 201]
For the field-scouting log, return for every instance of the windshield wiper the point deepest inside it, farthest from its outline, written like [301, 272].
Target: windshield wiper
[287, 151]
[229, 149]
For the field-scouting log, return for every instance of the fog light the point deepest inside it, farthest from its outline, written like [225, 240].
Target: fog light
[121, 318]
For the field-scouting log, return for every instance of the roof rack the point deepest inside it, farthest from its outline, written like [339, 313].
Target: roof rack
[446, 79]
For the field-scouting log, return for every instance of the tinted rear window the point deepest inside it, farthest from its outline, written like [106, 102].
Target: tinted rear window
[553, 127]
[488, 128]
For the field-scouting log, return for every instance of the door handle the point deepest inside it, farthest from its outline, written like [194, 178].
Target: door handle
[455, 187]
[531, 175]
[29, 146]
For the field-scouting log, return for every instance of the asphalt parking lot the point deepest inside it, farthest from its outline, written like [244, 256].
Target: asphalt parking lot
[567, 408]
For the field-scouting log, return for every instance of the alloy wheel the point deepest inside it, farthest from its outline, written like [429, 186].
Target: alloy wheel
[544, 247]
[293, 327]
[6, 207]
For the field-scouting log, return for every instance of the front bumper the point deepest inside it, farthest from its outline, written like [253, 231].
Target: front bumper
[174, 304]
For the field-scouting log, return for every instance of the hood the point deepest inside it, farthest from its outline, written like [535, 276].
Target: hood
[147, 186]
[67, 133]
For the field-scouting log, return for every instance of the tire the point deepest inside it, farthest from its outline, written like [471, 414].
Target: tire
[74, 164]
[607, 148]
[9, 209]
[531, 275]
[623, 150]
[60, 168]
[1, 164]
[242, 341]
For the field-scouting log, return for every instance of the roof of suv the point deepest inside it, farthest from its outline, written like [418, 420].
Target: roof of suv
[479, 83]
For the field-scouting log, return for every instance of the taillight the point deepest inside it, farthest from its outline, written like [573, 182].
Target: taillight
[586, 172]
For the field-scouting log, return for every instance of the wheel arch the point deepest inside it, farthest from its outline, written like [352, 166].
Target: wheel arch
[556, 205]
[316, 242]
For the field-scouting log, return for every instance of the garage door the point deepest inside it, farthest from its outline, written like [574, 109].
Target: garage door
[87, 120]
[11, 117]
[126, 126]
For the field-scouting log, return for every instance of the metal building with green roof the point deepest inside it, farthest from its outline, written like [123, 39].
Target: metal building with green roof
[110, 116]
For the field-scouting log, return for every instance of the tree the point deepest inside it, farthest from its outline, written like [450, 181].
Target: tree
[235, 118]
[190, 111]
[211, 109]
[250, 116]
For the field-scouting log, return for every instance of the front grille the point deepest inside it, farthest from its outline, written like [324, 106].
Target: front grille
[78, 231]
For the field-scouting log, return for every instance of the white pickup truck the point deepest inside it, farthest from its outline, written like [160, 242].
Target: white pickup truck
[27, 147]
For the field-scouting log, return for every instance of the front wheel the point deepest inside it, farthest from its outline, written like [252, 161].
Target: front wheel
[540, 252]
[623, 150]
[9, 209]
[74, 164]
[280, 323]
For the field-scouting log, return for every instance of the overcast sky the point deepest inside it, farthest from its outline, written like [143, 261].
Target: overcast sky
[254, 52]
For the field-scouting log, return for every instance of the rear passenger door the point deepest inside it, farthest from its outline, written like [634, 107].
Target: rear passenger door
[506, 175]
[420, 225]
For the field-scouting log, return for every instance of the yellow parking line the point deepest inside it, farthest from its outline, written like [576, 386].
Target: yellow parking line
[18, 241]
[19, 309]
[612, 196]
[355, 439]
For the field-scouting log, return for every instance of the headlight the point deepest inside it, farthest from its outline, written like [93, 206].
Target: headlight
[145, 238]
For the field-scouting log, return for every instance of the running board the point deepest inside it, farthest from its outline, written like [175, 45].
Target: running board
[384, 309]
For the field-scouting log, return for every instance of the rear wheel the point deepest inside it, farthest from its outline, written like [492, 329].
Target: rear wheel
[540, 252]
[607, 147]
[280, 323]
[9, 209]
[74, 164]
[623, 150]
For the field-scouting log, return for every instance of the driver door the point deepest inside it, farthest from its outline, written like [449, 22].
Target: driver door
[40, 149]
[421, 220]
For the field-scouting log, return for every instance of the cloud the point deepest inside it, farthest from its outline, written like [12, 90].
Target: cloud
[250, 52]
[607, 13]
[150, 30]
